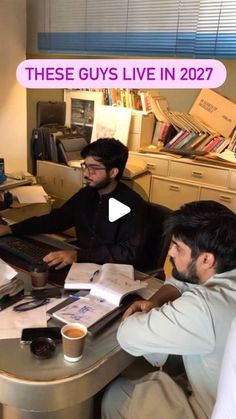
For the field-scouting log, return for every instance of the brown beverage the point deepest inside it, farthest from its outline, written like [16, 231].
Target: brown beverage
[73, 339]
[74, 333]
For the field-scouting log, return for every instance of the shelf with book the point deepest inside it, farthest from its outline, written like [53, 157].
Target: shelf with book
[209, 126]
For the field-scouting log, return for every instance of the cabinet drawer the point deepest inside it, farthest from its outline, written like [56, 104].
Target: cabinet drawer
[70, 181]
[200, 174]
[226, 198]
[157, 166]
[232, 180]
[172, 194]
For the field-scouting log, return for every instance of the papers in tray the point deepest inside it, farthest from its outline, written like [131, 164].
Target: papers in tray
[30, 194]
[7, 273]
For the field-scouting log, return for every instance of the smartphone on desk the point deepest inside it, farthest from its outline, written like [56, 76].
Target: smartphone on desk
[31, 333]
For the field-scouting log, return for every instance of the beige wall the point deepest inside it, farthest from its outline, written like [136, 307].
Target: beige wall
[182, 99]
[13, 144]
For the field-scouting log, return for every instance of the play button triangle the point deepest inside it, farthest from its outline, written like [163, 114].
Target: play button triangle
[117, 209]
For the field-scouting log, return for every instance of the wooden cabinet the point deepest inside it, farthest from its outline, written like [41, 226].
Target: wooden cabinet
[59, 181]
[172, 194]
[176, 181]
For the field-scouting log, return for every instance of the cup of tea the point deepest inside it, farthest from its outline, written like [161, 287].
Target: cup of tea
[39, 274]
[73, 339]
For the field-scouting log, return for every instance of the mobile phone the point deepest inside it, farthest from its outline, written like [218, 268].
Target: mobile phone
[31, 333]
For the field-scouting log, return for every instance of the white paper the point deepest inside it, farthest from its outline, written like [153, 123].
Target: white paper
[7, 273]
[12, 322]
[32, 194]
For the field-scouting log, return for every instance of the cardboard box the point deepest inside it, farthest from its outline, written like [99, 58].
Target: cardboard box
[216, 111]
[141, 130]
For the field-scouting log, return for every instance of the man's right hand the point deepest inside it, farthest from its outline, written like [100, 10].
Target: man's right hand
[165, 294]
[5, 229]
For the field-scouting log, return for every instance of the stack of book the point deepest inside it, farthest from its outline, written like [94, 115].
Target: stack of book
[10, 285]
[197, 131]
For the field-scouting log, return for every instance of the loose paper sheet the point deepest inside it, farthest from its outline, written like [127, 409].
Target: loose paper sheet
[32, 194]
[12, 322]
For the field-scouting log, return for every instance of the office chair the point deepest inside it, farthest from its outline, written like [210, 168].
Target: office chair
[156, 243]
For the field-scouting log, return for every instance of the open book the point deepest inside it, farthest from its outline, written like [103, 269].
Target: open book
[115, 282]
[87, 275]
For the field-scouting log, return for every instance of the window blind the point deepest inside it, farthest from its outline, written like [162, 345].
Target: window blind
[196, 28]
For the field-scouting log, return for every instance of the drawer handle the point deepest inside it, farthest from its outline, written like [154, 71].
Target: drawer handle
[151, 166]
[197, 174]
[174, 188]
[225, 198]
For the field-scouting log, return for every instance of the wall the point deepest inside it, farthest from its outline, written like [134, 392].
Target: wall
[182, 100]
[13, 97]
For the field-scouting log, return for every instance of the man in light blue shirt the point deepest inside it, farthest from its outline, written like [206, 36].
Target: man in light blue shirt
[195, 325]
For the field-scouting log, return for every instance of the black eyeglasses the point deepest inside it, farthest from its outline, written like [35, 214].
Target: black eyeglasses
[31, 304]
[92, 168]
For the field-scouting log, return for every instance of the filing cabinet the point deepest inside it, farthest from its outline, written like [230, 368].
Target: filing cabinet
[58, 180]
[175, 181]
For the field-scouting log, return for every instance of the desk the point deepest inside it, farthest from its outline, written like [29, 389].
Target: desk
[54, 388]
[13, 183]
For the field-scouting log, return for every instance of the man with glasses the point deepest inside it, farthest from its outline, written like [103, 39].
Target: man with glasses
[99, 240]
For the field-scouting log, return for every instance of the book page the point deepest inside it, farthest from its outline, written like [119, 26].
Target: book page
[86, 310]
[80, 275]
[116, 281]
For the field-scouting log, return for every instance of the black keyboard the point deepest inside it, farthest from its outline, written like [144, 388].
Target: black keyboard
[28, 249]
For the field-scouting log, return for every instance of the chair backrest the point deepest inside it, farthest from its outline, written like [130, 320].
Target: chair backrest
[156, 243]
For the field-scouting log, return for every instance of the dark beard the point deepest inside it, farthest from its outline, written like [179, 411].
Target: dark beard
[191, 277]
[105, 182]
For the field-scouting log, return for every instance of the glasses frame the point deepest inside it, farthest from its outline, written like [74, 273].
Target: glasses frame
[92, 168]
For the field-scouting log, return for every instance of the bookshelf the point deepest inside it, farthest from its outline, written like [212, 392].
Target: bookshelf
[208, 127]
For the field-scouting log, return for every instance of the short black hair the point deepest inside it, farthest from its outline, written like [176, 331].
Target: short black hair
[111, 152]
[206, 226]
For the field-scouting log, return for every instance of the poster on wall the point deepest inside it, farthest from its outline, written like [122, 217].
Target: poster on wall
[112, 121]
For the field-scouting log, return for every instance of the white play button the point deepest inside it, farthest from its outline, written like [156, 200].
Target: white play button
[117, 209]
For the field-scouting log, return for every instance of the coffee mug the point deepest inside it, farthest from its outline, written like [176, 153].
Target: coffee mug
[39, 274]
[73, 339]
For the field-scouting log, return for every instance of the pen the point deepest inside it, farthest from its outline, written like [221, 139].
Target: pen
[77, 297]
[93, 275]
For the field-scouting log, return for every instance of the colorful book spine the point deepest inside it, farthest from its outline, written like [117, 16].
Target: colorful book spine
[181, 138]
[169, 144]
[185, 142]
